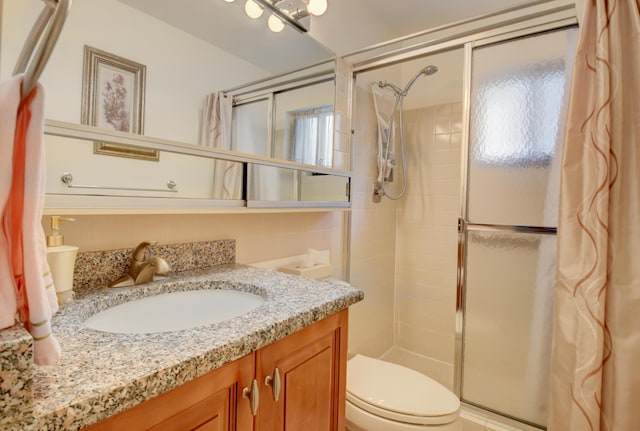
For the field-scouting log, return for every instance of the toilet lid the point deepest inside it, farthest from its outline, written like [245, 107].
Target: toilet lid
[399, 393]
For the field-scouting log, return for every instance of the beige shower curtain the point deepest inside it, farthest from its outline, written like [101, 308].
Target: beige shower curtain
[595, 367]
[215, 132]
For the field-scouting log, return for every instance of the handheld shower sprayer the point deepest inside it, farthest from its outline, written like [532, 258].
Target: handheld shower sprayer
[386, 160]
[427, 71]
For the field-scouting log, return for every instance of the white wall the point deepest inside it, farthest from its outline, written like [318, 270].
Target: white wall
[181, 69]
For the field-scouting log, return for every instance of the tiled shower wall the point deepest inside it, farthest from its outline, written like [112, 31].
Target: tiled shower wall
[426, 243]
[373, 236]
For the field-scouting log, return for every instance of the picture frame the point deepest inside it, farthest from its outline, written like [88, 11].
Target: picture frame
[113, 94]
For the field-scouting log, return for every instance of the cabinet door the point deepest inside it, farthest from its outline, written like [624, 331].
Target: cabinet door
[311, 364]
[212, 402]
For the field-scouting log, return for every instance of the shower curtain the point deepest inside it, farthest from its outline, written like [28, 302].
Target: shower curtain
[215, 132]
[595, 381]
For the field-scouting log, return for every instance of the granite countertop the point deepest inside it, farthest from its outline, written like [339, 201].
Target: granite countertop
[101, 373]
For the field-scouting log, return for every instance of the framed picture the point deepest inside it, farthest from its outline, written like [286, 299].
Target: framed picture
[113, 98]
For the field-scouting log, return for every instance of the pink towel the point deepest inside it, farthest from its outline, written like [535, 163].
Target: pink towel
[26, 286]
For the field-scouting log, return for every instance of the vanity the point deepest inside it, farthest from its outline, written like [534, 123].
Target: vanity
[251, 393]
[281, 365]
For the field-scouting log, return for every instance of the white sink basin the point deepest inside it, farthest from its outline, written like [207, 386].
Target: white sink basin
[174, 311]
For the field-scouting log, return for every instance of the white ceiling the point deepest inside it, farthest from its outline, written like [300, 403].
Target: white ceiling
[411, 16]
[225, 25]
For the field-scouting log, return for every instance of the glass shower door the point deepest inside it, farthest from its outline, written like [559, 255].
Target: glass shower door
[517, 100]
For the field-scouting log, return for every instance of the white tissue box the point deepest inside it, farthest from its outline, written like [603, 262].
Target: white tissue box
[316, 271]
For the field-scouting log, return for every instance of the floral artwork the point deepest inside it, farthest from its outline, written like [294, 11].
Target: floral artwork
[114, 110]
[113, 92]
[113, 98]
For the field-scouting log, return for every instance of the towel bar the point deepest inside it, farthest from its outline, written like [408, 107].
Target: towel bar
[67, 178]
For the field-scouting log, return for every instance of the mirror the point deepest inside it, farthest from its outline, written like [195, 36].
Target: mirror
[188, 49]
[77, 176]
[270, 186]
[73, 168]
[294, 124]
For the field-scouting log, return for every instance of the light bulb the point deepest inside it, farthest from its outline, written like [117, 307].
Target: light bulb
[253, 9]
[229, 1]
[317, 7]
[275, 24]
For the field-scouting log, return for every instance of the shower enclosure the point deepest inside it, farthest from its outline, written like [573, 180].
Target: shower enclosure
[467, 256]
[517, 104]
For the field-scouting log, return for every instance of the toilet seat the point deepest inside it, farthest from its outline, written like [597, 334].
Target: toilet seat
[398, 393]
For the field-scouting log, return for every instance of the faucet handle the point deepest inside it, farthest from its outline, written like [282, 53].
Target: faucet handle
[161, 266]
[140, 252]
[155, 265]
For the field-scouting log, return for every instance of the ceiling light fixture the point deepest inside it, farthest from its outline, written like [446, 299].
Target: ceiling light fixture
[284, 12]
[317, 7]
[275, 24]
[253, 9]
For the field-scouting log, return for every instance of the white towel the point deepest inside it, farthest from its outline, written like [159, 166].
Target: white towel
[8, 302]
[22, 242]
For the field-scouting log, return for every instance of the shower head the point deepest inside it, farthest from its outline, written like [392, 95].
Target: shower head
[429, 70]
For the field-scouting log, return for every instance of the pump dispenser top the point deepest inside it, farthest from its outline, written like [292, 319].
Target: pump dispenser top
[55, 239]
[62, 259]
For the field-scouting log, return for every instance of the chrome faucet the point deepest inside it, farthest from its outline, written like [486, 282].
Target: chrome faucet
[142, 266]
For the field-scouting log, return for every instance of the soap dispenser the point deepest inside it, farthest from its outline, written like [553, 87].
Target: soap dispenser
[61, 259]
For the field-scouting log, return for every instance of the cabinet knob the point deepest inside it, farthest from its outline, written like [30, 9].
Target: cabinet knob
[253, 395]
[274, 382]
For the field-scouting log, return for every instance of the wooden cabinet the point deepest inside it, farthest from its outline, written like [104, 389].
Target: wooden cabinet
[300, 383]
[303, 379]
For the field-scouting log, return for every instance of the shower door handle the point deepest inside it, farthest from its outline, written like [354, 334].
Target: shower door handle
[464, 225]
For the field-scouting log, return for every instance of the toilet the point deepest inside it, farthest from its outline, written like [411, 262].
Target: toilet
[382, 396]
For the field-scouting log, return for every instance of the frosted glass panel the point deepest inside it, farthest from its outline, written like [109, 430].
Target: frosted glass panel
[518, 91]
[507, 334]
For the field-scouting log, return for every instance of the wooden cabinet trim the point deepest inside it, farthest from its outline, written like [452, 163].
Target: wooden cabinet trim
[154, 412]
